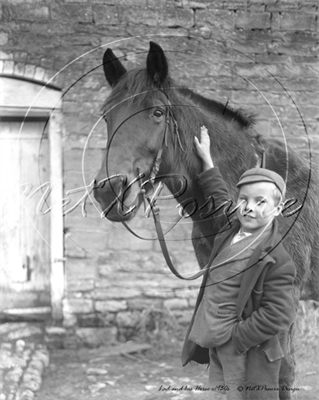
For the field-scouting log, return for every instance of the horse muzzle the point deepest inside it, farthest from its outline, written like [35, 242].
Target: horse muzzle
[118, 201]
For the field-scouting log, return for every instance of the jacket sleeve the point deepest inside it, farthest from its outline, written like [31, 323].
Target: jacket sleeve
[218, 202]
[276, 311]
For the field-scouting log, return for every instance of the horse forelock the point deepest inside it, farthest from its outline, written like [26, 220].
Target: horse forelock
[132, 88]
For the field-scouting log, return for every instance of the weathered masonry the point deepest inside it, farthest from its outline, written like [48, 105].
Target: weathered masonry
[98, 281]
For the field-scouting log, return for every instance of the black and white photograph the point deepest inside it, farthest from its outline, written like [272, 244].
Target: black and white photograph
[159, 199]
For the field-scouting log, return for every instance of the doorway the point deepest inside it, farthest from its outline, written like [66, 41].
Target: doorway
[31, 263]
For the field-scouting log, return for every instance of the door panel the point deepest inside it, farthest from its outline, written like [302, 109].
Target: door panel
[25, 232]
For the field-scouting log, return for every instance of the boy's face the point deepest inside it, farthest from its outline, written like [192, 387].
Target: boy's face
[258, 205]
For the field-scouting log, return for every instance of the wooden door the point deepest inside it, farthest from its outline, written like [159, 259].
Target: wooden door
[25, 226]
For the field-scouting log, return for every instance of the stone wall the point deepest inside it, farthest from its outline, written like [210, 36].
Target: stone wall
[258, 55]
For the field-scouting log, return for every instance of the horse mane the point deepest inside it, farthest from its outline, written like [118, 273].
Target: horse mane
[239, 115]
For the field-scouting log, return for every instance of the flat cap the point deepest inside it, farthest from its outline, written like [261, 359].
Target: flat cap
[263, 175]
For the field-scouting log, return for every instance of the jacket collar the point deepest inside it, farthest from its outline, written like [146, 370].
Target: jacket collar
[259, 258]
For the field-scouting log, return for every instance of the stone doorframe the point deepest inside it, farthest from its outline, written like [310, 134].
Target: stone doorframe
[26, 98]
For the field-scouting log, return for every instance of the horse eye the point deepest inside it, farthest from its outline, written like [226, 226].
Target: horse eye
[158, 113]
[104, 117]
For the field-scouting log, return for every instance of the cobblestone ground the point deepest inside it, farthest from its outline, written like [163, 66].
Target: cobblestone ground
[23, 364]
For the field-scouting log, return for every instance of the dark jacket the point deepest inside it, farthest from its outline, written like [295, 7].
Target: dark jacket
[265, 305]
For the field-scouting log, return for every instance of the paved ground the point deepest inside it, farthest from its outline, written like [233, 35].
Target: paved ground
[151, 374]
[87, 374]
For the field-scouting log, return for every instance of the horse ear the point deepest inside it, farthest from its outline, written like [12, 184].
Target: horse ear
[113, 68]
[157, 65]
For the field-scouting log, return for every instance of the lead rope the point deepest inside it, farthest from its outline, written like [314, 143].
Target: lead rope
[156, 216]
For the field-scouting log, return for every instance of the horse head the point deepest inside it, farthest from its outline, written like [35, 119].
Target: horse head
[151, 123]
[138, 120]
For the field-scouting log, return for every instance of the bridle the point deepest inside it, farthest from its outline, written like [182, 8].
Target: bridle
[150, 203]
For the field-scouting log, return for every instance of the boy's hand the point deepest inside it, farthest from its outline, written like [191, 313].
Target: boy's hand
[203, 148]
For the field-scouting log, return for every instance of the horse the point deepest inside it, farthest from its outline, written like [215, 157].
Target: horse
[151, 124]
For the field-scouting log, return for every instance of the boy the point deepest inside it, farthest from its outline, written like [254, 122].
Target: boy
[245, 299]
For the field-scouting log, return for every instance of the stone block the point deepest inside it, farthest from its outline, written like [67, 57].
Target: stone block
[110, 305]
[29, 70]
[105, 270]
[298, 84]
[275, 5]
[249, 70]
[143, 304]
[77, 306]
[69, 320]
[28, 12]
[84, 243]
[215, 19]
[293, 21]
[123, 240]
[130, 3]
[7, 67]
[80, 269]
[72, 249]
[71, 342]
[80, 285]
[308, 112]
[187, 294]
[28, 331]
[71, 105]
[77, 188]
[175, 303]
[94, 337]
[183, 318]
[106, 14]
[5, 56]
[252, 20]
[41, 74]
[195, 5]
[115, 293]
[71, 12]
[55, 331]
[158, 293]
[178, 17]
[19, 69]
[127, 319]
[90, 320]
[141, 16]
[91, 158]
[4, 36]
